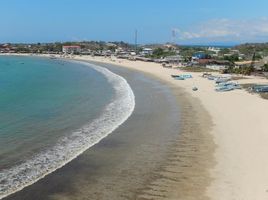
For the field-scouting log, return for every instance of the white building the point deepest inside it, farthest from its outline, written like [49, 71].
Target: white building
[147, 51]
[71, 49]
[216, 67]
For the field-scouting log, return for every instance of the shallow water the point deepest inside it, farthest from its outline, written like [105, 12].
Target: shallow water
[52, 111]
[41, 100]
[122, 165]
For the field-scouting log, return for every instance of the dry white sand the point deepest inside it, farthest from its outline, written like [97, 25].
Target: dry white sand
[240, 132]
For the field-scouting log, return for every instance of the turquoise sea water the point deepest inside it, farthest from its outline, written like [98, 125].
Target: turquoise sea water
[43, 99]
[51, 111]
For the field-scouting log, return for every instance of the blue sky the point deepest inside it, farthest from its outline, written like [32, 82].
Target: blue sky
[192, 21]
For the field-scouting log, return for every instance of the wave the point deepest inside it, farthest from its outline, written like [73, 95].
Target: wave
[69, 147]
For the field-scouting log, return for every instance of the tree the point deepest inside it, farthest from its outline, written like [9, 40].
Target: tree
[232, 58]
[247, 70]
[264, 68]
[224, 51]
[158, 52]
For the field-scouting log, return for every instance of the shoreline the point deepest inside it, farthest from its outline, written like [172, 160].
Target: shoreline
[123, 93]
[239, 132]
[147, 166]
[236, 145]
[185, 172]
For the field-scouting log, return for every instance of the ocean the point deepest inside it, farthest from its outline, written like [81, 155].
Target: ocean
[51, 111]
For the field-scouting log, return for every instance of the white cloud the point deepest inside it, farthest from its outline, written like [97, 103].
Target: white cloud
[226, 30]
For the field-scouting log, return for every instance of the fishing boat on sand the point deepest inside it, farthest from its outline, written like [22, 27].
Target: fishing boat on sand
[182, 76]
[227, 87]
[222, 79]
[260, 88]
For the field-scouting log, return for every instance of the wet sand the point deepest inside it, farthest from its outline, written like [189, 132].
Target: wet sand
[163, 151]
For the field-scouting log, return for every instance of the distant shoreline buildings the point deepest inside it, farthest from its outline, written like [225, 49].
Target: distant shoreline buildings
[214, 58]
[72, 49]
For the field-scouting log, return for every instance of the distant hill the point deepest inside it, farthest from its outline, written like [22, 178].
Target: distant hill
[249, 48]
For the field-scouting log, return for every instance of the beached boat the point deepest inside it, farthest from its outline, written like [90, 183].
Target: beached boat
[228, 87]
[211, 78]
[179, 78]
[222, 80]
[260, 88]
[224, 89]
[184, 76]
[226, 84]
[53, 57]
[206, 75]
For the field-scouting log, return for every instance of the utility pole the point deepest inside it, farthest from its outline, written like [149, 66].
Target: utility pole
[136, 41]
[173, 36]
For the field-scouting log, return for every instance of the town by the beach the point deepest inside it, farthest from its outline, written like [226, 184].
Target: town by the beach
[194, 124]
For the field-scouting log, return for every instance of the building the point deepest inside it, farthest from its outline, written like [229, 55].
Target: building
[218, 65]
[176, 59]
[71, 49]
[147, 51]
[7, 48]
[202, 62]
[200, 55]
[215, 50]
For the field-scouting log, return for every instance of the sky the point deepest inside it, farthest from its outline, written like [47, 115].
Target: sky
[221, 22]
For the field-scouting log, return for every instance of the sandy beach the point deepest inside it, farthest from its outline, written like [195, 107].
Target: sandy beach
[239, 132]
[221, 151]
[162, 151]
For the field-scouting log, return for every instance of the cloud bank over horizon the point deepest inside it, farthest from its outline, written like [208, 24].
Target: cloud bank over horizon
[225, 30]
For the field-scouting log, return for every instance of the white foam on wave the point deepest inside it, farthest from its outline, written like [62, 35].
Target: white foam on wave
[68, 148]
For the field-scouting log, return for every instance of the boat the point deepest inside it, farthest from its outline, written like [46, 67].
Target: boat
[184, 76]
[227, 86]
[179, 78]
[206, 75]
[211, 78]
[224, 89]
[53, 57]
[222, 80]
[261, 88]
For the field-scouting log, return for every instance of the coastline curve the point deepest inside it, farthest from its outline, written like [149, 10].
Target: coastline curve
[68, 148]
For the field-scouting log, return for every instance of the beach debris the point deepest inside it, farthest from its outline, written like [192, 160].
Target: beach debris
[165, 65]
[206, 75]
[194, 88]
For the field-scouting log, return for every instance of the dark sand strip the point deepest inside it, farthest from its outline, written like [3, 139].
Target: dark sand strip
[163, 151]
